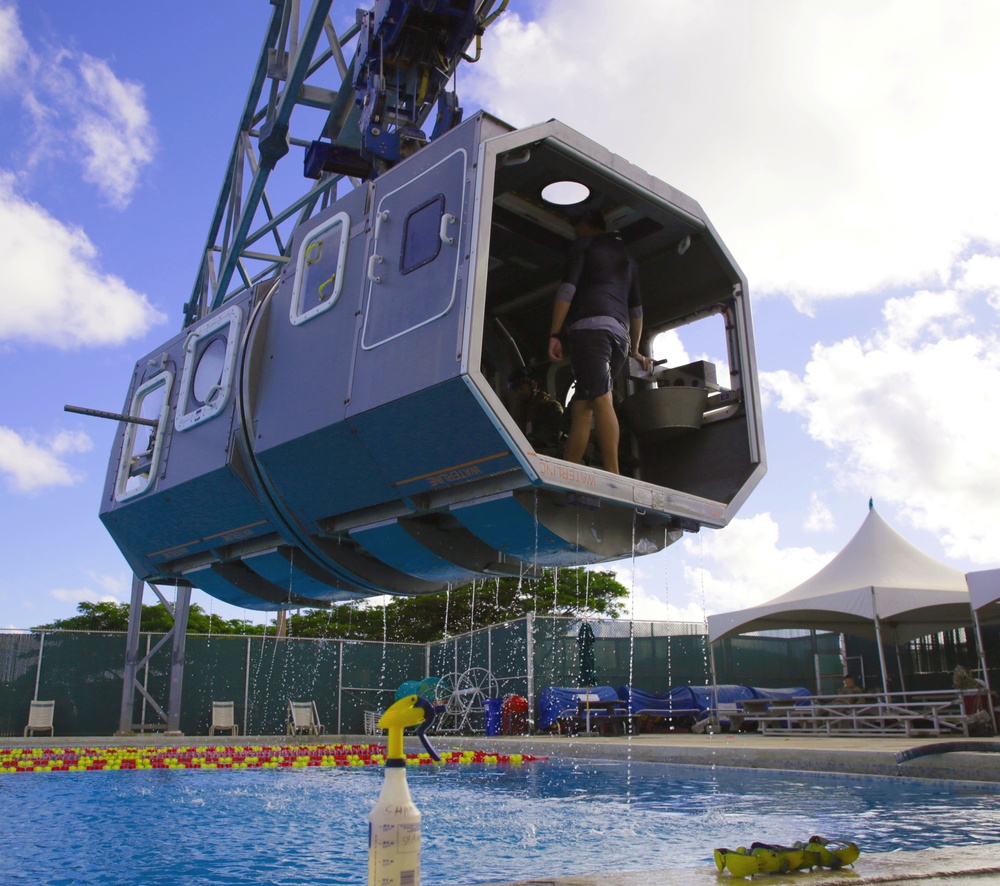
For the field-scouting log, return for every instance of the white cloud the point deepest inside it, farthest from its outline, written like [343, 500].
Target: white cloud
[13, 47]
[668, 346]
[79, 595]
[116, 587]
[721, 570]
[909, 416]
[743, 565]
[114, 125]
[838, 148]
[820, 518]
[55, 292]
[980, 272]
[31, 466]
[81, 111]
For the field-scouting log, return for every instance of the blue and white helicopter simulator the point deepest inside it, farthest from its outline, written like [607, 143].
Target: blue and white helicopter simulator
[338, 425]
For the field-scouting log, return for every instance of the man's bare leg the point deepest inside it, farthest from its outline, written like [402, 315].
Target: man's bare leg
[606, 422]
[581, 419]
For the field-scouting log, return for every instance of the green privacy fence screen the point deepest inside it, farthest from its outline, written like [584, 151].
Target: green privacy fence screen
[82, 671]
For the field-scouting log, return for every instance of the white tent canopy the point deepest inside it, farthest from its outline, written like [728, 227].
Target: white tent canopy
[878, 580]
[984, 591]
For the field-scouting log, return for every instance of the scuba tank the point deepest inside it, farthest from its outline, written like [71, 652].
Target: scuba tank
[394, 822]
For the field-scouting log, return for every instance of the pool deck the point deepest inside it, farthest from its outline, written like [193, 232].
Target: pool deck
[867, 756]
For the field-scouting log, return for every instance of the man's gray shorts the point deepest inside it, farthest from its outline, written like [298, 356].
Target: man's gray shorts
[597, 356]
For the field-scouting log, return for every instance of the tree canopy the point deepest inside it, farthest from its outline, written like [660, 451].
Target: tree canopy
[108, 616]
[401, 619]
[493, 601]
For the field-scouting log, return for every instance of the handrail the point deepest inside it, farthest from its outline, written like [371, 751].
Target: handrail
[866, 713]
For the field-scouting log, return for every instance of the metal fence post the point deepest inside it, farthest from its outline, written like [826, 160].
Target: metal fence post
[340, 687]
[246, 691]
[38, 667]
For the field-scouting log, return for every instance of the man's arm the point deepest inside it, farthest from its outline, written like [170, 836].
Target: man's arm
[635, 334]
[560, 308]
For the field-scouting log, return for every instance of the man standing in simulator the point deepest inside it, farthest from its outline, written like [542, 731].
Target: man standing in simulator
[598, 311]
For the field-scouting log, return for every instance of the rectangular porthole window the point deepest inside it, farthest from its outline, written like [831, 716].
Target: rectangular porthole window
[209, 366]
[319, 270]
[422, 235]
[142, 443]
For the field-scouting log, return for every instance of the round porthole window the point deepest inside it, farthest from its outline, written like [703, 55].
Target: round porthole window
[208, 373]
[565, 193]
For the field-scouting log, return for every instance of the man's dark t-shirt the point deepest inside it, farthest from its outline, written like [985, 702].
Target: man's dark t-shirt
[606, 280]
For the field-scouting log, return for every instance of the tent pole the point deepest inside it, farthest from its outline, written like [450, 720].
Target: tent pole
[881, 651]
[981, 651]
[899, 661]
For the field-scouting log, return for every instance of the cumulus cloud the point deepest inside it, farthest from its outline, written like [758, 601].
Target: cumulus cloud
[56, 293]
[824, 177]
[33, 465]
[99, 589]
[980, 272]
[744, 565]
[718, 571]
[908, 414]
[79, 595]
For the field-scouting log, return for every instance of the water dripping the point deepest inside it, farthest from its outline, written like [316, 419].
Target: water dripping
[534, 564]
[208, 640]
[666, 601]
[472, 623]
[714, 724]
[385, 643]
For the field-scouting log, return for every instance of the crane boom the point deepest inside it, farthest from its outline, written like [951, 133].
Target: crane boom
[358, 118]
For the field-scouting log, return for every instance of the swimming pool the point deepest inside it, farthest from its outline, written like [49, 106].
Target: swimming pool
[309, 826]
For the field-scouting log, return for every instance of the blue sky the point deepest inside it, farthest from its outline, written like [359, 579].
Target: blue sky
[845, 152]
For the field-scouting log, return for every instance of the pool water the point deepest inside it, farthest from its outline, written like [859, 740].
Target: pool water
[480, 823]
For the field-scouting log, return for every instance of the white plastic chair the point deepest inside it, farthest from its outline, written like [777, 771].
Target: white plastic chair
[223, 718]
[40, 717]
[371, 723]
[303, 717]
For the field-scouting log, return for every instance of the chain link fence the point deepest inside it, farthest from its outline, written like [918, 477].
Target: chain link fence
[83, 671]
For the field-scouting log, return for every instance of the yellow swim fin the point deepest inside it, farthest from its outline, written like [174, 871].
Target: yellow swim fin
[771, 862]
[848, 853]
[827, 859]
[797, 857]
[720, 859]
[740, 863]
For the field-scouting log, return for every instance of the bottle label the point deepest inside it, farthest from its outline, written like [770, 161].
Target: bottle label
[394, 854]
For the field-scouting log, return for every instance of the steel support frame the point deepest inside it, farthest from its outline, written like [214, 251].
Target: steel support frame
[171, 717]
[243, 217]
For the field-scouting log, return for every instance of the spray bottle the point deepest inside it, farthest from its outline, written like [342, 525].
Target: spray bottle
[394, 822]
